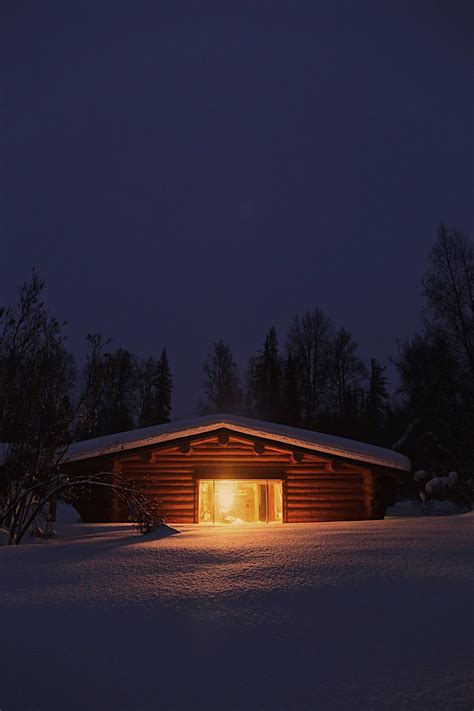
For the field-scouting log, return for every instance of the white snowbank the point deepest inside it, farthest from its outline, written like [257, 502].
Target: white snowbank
[439, 483]
[427, 507]
[366, 615]
[66, 513]
[161, 531]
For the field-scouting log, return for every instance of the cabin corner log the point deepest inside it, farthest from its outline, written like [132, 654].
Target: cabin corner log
[380, 489]
[316, 486]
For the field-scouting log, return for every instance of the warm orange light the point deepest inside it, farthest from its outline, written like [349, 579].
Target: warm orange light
[240, 501]
[225, 496]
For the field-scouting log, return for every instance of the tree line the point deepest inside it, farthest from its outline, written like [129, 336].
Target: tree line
[318, 380]
[126, 392]
[315, 379]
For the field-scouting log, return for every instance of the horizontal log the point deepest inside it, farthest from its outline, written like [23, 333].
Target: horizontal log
[331, 513]
[177, 476]
[178, 506]
[246, 442]
[324, 484]
[293, 500]
[326, 519]
[172, 485]
[346, 505]
[335, 469]
[223, 452]
[171, 500]
[330, 476]
[309, 471]
[179, 519]
[155, 483]
[240, 472]
[217, 459]
[325, 494]
[321, 473]
[226, 453]
[330, 483]
[158, 476]
[215, 446]
[154, 468]
[167, 489]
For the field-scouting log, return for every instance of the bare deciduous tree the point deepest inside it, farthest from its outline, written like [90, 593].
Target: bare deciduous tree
[449, 288]
[347, 371]
[309, 340]
[220, 381]
[41, 413]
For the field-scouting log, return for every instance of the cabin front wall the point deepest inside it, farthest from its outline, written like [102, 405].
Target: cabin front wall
[314, 487]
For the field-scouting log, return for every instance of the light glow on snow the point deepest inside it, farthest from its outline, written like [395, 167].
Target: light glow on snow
[364, 615]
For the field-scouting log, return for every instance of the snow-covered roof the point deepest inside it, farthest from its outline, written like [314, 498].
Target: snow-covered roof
[158, 434]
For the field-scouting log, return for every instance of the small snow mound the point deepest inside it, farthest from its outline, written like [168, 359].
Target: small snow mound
[406, 508]
[66, 513]
[444, 508]
[161, 531]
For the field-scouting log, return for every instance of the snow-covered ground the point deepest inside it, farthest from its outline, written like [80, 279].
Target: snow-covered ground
[366, 615]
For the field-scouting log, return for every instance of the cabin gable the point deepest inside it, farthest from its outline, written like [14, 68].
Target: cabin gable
[315, 486]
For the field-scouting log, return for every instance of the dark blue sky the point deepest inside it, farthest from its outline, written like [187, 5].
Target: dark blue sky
[181, 172]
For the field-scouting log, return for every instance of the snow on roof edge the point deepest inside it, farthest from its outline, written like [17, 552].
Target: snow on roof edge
[316, 441]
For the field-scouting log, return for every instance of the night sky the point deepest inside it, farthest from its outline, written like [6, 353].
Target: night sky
[181, 172]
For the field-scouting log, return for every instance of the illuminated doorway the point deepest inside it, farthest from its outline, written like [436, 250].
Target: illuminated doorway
[243, 501]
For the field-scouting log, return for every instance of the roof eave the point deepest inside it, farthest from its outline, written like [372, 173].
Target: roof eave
[403, 463]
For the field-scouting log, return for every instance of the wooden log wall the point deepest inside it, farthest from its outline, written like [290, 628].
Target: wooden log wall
[316, 487]
[324, 493]
[170, 484]
[170, 474]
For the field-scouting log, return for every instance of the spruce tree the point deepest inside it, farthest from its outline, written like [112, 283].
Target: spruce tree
[377, 402]
[347, 375]
[271, 401]
[290, 401]
[115, 410]
[265, 380]
[154, 391]
[220, 381]
[146, 391]
[310, 340]
[164, 387]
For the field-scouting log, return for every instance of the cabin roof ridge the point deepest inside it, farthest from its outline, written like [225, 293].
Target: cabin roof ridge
[293, 436]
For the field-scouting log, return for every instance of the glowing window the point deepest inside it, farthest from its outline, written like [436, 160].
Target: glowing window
[240, 501]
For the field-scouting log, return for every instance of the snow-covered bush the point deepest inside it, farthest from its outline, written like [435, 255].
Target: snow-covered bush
[440, 475]
[449, 489]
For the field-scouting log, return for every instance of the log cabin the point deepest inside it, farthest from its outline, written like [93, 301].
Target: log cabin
[223, 469]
